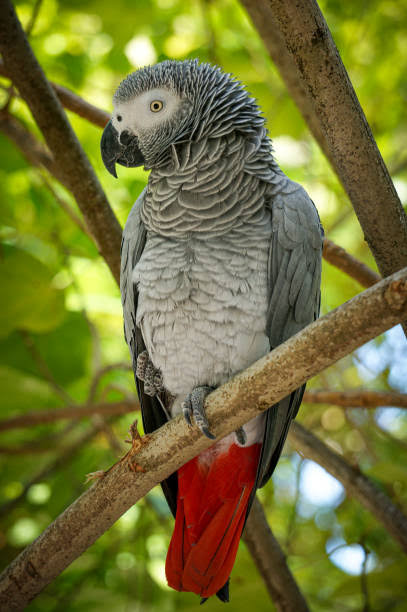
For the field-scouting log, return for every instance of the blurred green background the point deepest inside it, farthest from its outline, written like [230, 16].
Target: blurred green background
[61, 321]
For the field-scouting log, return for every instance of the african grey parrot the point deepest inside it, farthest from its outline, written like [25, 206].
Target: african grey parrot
[221, 262]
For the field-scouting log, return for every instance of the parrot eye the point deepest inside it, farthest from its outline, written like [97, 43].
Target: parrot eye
[156, 106]
[119, 117]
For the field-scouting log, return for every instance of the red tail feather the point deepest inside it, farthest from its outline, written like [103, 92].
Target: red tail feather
[213, 493]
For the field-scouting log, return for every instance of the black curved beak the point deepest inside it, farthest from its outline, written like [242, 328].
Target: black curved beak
[121, 149]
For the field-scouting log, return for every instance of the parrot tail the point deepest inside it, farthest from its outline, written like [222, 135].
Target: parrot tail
[213, 494]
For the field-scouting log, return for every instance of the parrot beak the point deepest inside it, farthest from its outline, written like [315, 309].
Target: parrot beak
[121, 149]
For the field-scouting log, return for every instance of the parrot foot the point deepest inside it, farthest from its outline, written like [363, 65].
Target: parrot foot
[149, 374]
[193, 406]
[136, 444]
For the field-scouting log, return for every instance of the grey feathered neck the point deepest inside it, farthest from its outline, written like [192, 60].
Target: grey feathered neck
[218, 103]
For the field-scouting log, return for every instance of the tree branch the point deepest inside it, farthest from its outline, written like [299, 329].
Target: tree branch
[78, 105]
[337, 256]
[354, 399]
[40, 417]
[228, 408]
[356, 484]
[300, 43]
[271, 562]
[71, 101]
[73, 165]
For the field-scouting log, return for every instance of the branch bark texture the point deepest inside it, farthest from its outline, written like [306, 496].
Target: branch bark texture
[227, 408]
[355, 483]
[271, 562]
[300, 43]
[72, 162]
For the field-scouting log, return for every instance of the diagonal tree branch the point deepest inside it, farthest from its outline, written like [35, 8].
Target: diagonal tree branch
[71, 101]
[34, 151]
[228, 408]
[58, 462]
[300, 43]
[355, 398]
[355, 483]
[271, 562]
[338, 257]
[72, 163]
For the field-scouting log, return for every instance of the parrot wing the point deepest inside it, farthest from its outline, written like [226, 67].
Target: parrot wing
[294, 276]
[153, 415]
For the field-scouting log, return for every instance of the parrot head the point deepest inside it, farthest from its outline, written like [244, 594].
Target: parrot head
[159, 106]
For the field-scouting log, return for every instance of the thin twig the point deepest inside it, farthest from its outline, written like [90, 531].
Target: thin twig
[120, 365]
[64, 205]
[356, 398]
[30, 419]
[43, 368]
[33, 150]
[60, 461]
[293, 512]
[363, 580]
[71, 101]
[338, 257]
[33, 18]
[356, 484]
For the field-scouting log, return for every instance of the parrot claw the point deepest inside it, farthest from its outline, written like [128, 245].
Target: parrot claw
[193, 406]
[149, 374]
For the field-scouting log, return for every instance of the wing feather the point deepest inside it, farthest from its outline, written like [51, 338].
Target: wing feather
[294, 299]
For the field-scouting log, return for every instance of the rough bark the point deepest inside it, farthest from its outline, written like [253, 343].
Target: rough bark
[228, 408]
[355, 483]
[300, 43]
[73, 164]
[271, 562]
[355, 398]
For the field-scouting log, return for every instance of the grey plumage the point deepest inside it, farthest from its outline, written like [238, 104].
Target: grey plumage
[221, 255]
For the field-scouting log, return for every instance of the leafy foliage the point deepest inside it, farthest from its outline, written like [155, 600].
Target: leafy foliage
[60, 320]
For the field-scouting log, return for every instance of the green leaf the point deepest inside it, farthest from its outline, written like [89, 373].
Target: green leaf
[29, 301]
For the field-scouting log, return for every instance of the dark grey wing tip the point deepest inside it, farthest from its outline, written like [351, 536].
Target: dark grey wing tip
[223, 593]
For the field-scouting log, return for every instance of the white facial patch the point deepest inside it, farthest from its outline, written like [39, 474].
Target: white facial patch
[146, 111]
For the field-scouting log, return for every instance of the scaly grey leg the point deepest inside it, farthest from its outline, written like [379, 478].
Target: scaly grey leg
[193, 406]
